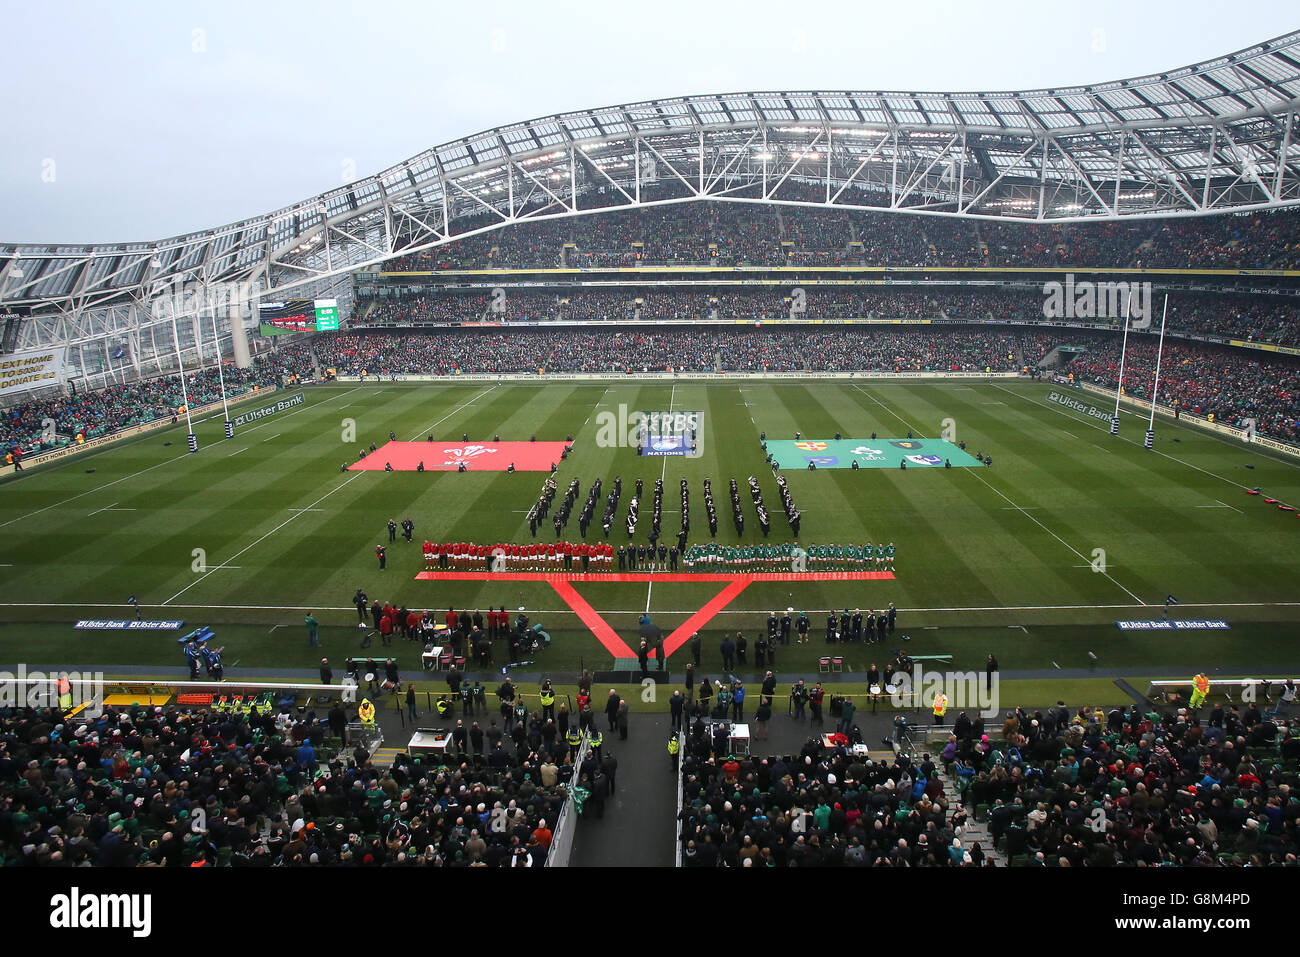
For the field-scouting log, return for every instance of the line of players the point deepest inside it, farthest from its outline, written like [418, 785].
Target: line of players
[788, 557]
[535, 556]
[600, 556]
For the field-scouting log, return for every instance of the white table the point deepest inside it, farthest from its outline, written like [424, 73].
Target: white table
[739, 740]
[434, 740]
[432, 659]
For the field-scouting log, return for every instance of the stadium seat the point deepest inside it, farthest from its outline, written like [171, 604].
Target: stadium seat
[824, 664]
[837, 663]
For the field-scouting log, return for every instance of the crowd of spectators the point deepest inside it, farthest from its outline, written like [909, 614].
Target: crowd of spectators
[820, 808]
[770, 234]
[1258, 317]
[1130, 787]
[1228, 384]
[1231, 384]
[788, 349]
[1059, 788]
[270, 789]
[120, 406]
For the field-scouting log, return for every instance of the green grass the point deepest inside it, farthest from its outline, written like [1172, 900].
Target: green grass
[979, 550]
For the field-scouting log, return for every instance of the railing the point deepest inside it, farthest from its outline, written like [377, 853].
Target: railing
[1223, 686]
[681, 790]
[562, 839]
[41, 690]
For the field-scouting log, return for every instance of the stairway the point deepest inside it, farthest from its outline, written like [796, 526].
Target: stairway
[975, 832]
[383, 756]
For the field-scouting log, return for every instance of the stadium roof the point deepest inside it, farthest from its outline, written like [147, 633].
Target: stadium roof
[1218, 136]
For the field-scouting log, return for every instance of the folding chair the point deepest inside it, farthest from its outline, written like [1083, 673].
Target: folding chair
[837, 664]
[824, 664]
[460, 663]
[444, 661]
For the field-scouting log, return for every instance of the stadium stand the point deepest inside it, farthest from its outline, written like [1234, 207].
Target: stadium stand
[1204, 378]
[272, 789]
[728, 233]
[1058, 789]
[1226, 314]
[93, 414]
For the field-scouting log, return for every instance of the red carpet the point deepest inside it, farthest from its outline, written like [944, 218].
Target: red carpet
[721, 600]
[606, 635]
[477, 456]
[483, 576]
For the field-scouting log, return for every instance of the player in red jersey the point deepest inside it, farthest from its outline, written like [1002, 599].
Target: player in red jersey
[429, 553]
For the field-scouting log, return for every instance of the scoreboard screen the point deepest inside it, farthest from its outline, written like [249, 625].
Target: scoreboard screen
[298, 315]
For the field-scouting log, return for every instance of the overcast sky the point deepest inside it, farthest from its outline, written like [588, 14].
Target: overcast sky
[137, 120]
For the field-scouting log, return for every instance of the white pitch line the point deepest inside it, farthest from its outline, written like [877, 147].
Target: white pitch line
[244, 449]
[288, 415]
[681, 611]
[889, 410]
[97, 489]
[264, 537]
[1003, 495]
[270, 437]
[1102, 447]
[98, 510]
[451, 413]
[150, 468]
[1226, 505]
[1172, 458]
[1054, 535]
